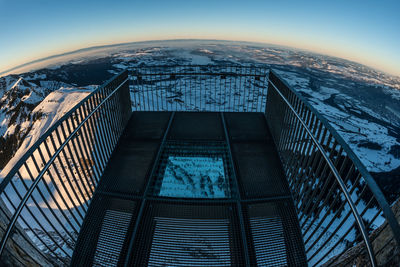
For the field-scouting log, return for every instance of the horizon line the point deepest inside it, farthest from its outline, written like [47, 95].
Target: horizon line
[182, 39]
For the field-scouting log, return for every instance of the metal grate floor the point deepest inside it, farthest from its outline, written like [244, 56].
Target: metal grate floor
[273, 233]
[105, 232]
[128, 168]
[197, 126]
[198, 189]
[247, 127]
[188, 234]
[268, 241]
[111, 238]
[259, 171]
[194, 242]
[146, 125]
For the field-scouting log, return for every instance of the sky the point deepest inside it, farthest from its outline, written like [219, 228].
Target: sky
[365, 31]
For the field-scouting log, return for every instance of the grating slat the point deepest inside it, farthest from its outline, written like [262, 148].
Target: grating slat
[188, 234]
[268, 230]
[185, 241]
[111, 239]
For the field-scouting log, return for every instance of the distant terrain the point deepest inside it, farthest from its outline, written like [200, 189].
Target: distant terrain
[363, 104]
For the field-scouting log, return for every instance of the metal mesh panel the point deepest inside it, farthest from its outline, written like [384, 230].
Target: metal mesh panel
[188, 234]
[102, 240]
[199, 88]
[111, 238]
[274, 235]
[127, 170]
[268, 240]
[196, 126]
[247, 126]
[147, 125]
[203, 242]
[259, 170]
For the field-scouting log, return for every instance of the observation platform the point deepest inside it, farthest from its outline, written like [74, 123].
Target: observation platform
[202, 165]
[187, 188]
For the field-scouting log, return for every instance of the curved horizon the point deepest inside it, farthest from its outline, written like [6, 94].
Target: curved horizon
[84, 49]
[360, 31]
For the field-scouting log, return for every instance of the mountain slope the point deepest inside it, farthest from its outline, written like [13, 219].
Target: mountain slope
[45, 114]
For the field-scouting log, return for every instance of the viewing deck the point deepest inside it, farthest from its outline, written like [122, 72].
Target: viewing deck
[194, 165]
[204, 220]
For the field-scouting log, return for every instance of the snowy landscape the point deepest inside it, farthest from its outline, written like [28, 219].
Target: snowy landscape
[360, 102]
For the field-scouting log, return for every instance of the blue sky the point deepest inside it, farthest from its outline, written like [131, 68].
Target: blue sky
[364, 31]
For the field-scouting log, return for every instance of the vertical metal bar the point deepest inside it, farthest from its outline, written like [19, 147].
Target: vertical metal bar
[155, 104]
[238, 197]
[77, 164]
[71, 156]
[96, 137]
[143, 83]
[64, 188]
[89, 148]
[34, 217]
[192, 84]
[215, 96]
[69, 182]
[252, 71]
[72, 173]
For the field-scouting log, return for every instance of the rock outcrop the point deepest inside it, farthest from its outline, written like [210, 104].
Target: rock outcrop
[387, 253]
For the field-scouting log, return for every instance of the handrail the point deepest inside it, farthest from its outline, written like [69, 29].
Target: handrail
[91, 139]
[291, 119]
[362, 169]
[337, 177]
[304, 161]
[11, 225]
[43, 137]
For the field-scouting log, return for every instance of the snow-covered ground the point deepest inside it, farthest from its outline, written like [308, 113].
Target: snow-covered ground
[354, 129]
[55, 199]
[52, 108]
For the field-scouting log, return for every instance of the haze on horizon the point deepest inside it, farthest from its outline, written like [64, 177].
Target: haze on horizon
[362, 31]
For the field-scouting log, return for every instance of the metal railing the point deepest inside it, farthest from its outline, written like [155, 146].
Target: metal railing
[338, 202]
[199, 88]
[44, 198]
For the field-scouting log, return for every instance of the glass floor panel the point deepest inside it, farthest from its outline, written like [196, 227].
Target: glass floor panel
[193, 170]
[197, 177]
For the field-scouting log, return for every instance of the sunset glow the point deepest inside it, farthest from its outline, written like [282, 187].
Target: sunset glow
[362, 31]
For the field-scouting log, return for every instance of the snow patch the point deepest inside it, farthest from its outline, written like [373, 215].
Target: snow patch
[53, 107]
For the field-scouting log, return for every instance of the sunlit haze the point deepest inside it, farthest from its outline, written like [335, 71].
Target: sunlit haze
[363, 31]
